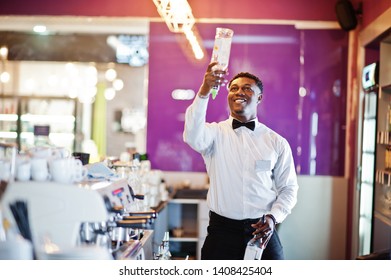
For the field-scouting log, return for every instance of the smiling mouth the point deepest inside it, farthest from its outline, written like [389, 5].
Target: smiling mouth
[240, 101]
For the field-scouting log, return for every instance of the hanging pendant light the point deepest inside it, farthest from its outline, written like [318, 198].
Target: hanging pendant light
[176, 13]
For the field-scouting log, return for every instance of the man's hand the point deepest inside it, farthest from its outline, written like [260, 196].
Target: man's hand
[211, 79]
[264, 228]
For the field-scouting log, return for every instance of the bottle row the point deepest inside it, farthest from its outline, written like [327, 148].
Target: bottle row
[384, 137]
[387, 160]
[383, 177]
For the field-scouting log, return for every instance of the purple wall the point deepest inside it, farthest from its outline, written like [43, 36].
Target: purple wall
[272, 53]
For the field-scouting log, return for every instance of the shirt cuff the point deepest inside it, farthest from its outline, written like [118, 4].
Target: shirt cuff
[273, 218]
[203, 96]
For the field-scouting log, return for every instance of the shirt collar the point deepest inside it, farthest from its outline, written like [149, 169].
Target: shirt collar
[254, 119]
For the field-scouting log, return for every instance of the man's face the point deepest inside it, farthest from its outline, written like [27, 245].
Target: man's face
[243, 98]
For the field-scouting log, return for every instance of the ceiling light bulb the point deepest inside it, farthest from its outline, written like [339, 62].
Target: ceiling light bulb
[91, 91]
[195, 42]
[3, 52]
[118, 84]
[39, 28]
[109, 93]
[73, 93]
[5, 77]
[176, 13]
[111, 74]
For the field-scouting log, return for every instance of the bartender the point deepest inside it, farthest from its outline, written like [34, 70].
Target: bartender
[251, 169]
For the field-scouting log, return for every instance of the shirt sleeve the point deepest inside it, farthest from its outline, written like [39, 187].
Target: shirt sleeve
[286, 183]
[197, 133]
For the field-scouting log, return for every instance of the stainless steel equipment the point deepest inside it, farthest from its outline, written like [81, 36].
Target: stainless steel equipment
[56, 211]
[128, 228]
[74, 221]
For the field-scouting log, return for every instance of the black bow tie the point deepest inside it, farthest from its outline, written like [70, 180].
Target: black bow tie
[249, 125]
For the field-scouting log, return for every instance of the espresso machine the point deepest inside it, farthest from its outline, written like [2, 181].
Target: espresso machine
[82, 221]
[129, 222]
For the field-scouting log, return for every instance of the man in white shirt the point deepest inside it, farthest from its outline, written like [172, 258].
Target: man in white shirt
[250, 167]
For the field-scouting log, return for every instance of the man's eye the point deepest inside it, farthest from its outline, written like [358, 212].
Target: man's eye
[247, 89]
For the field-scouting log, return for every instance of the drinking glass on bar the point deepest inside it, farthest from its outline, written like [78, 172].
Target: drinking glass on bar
[8, 153]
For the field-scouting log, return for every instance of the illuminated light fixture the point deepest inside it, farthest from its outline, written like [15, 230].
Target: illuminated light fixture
[109, 93]
[118, 84]
[179, 18]
[302, 92]
[194, 40]
[44, 118]
[5, 77]
[176, 13]
[3, 52]
[110, 74]
[39, 28]
[73, 93]
[8, 117]
[183, 94]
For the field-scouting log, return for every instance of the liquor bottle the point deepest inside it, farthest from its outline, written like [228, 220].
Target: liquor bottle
[165, 247]
[388, 124]
[221, 52]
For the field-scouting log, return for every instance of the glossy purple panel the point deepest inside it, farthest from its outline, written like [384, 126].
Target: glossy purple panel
[313, 124]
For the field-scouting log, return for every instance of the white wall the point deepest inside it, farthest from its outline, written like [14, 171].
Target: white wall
[316, 229]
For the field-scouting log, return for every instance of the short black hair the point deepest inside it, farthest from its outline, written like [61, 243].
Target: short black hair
[250, 76]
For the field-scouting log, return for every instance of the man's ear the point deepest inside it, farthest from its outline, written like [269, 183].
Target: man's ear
[260, 98]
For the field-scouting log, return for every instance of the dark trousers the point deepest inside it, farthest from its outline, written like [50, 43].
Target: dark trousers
[227, 240]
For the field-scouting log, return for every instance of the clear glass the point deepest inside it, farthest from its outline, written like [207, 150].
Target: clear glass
[8, 153]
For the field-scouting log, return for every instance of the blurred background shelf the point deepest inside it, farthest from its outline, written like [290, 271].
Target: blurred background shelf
[20, 115]
[191, 216]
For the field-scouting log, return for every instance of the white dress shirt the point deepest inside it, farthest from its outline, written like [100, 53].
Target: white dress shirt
[251, 173]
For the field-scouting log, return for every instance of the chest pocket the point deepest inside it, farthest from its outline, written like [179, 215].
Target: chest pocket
[263, 165]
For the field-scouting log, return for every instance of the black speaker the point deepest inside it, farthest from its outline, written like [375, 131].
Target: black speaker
[346, 15]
